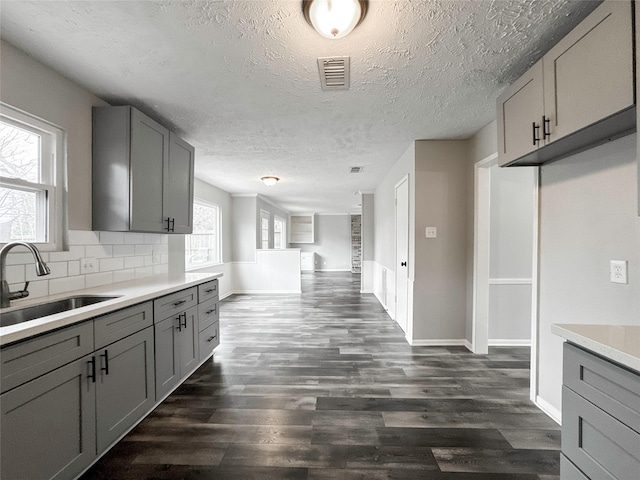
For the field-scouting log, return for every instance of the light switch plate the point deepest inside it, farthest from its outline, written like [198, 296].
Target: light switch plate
[618, 271]
[431, 232]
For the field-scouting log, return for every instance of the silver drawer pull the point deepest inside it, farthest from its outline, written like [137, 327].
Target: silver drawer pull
[211, 338]
[180, 302]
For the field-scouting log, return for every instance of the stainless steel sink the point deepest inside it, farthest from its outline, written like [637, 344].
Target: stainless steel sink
[45, 309]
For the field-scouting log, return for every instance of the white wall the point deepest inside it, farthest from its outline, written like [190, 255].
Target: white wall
[35, 88]
[588, 217]
[243, 223]
[511, 254]
[332, 242]
[368, 243]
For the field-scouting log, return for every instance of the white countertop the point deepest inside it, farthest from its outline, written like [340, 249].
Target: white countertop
[129, 293]
[620, 343]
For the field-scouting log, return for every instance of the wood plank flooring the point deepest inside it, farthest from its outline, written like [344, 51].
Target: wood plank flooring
[323, 386]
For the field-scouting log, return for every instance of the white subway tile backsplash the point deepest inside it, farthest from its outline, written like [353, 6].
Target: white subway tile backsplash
[121, 256]
[144, 249]
[98, 251]
[144, 272]
[114, 238]
[109, 264]
[133, 262]
[133, 238]
[67, 284]
[15, 273]
[98, 279]
[58, 270]
[75, 252]
[124, 250]
[153, 238]
[124, 275]
[82, 237]
[74, 268]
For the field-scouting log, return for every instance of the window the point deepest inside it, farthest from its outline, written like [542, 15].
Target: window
[264, 229]
[279, 232]
[31, 179]
[203, 246]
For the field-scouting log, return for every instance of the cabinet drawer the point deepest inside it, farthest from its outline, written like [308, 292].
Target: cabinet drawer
[208, 290]
[608, 386]
[29, 359]
[568, 470]
[209, 339]
[598, 444]
[208, 313]
[176, 302]
[115, 326]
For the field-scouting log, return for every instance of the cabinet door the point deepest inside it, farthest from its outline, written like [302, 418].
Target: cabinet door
[178, 199]
[149, 161]
[167, 360]
[47, 426]
[189, 342]
[519, 116]
[125, 388]
[588, 75]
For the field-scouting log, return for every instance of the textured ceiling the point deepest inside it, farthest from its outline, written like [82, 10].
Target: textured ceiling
[239, 79]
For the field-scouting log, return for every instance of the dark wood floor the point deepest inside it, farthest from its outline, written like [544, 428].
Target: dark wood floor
[323, 386]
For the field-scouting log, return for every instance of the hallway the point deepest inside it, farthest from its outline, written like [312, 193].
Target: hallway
[323, 386]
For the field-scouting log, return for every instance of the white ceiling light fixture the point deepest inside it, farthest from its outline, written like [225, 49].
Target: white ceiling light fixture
[270, 180]
[334, 18]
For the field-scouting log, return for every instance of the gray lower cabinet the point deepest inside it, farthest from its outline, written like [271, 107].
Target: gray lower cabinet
[176, 349]
[48, 427]
[600, 418]
[125, 385]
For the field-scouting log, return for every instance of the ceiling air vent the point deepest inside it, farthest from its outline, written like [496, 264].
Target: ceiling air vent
[356, 170]
[334, 73]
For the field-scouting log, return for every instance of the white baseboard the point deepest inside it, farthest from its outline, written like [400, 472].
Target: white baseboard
[267, 292]
[468, 345]
[225, 295]
[550, 410]
[498, 342]
[444, 342]
[367, 291]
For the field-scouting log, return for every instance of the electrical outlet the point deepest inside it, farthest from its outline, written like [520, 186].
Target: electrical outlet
[618, 271]
[431, 232]
[88, 265]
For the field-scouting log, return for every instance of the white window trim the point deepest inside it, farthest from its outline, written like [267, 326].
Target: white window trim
[264, 215]
[283, 234]
[220, 246]
[54, 140]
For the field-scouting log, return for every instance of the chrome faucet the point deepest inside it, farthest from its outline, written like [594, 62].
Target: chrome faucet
[41, 269]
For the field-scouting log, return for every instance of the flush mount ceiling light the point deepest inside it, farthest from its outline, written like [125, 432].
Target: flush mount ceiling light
[334, 18]
[270, 180]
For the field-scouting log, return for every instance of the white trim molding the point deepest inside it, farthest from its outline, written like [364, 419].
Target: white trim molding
[511, 281]
[508, 342]
[550, 410]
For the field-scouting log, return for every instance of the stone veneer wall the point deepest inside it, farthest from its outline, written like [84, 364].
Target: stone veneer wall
[119, 257]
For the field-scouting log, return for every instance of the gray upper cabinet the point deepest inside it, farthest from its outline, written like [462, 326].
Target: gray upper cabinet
[142, 174]
[579, 95]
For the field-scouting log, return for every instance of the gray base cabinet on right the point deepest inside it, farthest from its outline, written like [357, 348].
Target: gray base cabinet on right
[600, 418]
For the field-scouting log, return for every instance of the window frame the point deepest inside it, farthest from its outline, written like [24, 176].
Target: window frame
[206, 203]
[264, 215]
[283, 233]
[51, 190]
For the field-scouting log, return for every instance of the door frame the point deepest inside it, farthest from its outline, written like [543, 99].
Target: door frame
[409, 325]
[481, 246]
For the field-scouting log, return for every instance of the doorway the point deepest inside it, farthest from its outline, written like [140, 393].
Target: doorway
[402, 252]
[505, 258]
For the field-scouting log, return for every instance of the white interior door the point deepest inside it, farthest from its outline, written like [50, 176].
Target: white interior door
[402, 253]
